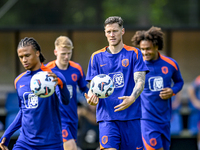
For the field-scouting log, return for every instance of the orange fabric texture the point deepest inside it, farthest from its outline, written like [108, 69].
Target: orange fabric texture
[148, 147]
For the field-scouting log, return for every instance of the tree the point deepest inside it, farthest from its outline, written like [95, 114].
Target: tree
[93, 13]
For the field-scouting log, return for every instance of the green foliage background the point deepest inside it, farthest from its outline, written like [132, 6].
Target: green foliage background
[166, 13]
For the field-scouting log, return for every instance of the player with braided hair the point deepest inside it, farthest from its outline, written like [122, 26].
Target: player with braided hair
[39, 118]
[31, 42]
[158, 90]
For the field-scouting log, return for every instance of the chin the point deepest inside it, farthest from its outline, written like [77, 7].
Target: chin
[27, 68]
[65, 63]
[114, 44]
[147, 59]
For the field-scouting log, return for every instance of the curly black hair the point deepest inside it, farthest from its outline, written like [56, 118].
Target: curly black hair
[154, 34]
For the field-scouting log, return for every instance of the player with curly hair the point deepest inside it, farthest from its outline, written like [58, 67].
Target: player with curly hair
[158, 90]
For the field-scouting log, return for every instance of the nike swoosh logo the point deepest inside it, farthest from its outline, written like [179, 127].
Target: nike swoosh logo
[103, 65]
[139, 147]
[21, 86]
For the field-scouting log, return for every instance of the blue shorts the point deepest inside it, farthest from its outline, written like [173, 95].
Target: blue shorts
[124, 135]
[155, 135]
[69, 131]
[20, 145]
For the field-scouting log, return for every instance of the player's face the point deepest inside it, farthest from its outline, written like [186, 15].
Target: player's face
[29, 58]
[114, 33]
[63, 55]
[149, 51]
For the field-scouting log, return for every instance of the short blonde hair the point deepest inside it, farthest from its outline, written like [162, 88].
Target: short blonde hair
[64, 41]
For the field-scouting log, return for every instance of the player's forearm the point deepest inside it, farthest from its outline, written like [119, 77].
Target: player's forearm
[177, 86]
[139, 78]
[84, 90]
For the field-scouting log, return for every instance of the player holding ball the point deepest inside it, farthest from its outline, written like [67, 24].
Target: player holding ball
[39, 118]
[119, 114]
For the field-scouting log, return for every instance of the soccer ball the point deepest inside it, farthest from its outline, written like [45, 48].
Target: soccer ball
[41, 84]
[102, 85]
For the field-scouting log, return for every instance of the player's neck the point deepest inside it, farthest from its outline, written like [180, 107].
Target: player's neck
[62, 67]
[36, 67]
[156, 56]
[116, 49]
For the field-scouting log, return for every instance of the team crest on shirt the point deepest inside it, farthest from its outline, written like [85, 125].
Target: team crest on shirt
[164, 70]
[30, 100]
[104, 139]
[118, 79]
[156, 83]
[74, 77]
[125, 62]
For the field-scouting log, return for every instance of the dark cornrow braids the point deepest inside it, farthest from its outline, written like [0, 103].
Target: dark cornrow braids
[31, 42]
[154, 34]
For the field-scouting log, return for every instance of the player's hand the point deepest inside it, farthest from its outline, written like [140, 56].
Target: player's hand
[166, 93]
[55, 78]
[92, 99]
[127, 101]
[2, 146]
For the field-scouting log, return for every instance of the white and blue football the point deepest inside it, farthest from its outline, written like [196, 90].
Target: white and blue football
[42, 85]
[102, 86]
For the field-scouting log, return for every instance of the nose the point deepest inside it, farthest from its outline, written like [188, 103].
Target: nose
[144, 52]
[112, 33]
[24, 59]
[66, 56]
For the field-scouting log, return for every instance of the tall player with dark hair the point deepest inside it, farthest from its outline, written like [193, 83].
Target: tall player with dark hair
[39, 118]
[119, 114]
[158, 90]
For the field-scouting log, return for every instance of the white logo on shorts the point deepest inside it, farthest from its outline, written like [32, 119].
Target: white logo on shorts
[156, 83]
